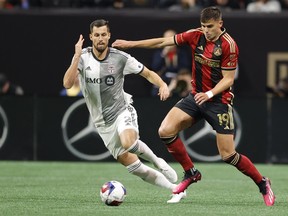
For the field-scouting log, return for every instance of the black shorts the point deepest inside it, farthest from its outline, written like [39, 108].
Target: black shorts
[218, 115]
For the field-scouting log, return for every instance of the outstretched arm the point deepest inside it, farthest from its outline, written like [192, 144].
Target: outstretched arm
[155, 79]
[72, 71]
[149, 43]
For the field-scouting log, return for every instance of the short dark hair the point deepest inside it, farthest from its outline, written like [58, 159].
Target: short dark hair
[209, 13]
[99, 23]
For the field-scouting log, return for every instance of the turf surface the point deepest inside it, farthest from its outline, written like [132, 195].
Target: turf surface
[72, 188]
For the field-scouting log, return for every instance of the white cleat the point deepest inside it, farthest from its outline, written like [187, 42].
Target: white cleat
[167, 170]
[175, 198]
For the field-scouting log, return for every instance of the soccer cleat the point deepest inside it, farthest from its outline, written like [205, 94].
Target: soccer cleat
[167, 170]
[187, 180]
[175, 198]
[265, 189]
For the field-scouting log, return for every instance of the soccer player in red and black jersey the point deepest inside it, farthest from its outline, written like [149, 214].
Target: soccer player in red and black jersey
[214, 62]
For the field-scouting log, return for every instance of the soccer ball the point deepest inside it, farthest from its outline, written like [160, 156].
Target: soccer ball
[113, 193]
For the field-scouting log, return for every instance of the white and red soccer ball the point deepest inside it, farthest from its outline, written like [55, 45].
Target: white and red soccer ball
[113, 193]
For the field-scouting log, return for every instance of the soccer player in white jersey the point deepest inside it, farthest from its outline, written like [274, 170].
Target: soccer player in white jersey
[101, 70]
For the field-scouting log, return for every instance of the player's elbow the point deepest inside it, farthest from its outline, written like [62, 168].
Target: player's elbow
[67, 84]
[231, 82]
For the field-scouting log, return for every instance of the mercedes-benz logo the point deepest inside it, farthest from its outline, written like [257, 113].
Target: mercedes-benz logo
[3, 127]
[80, 136]
[195, 140]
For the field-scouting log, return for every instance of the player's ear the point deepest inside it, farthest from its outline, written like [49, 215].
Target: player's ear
[221, 23]
[90, 36]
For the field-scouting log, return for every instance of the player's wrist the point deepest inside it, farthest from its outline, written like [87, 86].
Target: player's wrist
[209, 94]
[76, 56]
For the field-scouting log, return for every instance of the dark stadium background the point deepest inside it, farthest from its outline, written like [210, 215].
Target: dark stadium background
[37, 47]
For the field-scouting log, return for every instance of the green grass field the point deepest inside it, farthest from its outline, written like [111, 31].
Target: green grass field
[72, 188]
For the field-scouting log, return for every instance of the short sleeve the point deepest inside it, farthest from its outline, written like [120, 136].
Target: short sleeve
[133, 66]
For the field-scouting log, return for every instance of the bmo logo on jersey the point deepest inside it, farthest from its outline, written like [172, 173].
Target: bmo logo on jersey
[109, 80]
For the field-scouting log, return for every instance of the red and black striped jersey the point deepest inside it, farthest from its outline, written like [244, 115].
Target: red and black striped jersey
[209, 59]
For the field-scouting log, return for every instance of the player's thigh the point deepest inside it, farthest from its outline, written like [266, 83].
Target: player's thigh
[175, 121]
[127, 158]
[225, 144]
[128, 119]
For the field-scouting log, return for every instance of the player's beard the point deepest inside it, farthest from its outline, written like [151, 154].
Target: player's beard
[100, 48]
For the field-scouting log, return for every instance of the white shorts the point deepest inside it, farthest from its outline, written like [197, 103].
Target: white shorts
[128, 119]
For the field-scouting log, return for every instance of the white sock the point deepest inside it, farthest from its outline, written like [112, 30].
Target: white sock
[149, 175]
[142, 150]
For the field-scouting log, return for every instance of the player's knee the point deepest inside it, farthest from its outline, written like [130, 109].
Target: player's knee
[165, 131]
[128, 143]
[232, 159]
[128, 138]
[161, 132]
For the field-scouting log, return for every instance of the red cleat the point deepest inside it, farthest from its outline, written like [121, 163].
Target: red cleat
[187, 180]
[268, 195]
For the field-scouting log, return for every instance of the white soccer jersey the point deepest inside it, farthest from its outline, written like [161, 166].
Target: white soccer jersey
[102, 81]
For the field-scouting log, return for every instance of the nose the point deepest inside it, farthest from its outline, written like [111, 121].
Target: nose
[205, 29]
